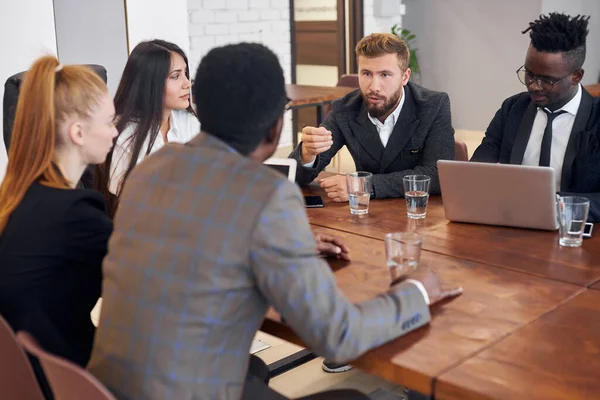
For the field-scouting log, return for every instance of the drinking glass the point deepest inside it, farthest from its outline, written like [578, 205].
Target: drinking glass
[416, 193]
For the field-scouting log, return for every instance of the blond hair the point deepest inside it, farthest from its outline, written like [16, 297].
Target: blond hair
[380, 44]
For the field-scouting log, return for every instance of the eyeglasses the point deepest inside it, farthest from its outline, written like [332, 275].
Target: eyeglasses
[288, 105]
[526, 78]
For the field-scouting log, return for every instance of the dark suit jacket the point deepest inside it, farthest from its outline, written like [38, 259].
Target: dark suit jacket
[51, 253]
[507, 136]
[422, 135]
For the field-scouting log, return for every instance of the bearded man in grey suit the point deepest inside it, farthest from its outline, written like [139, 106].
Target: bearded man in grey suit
[391, 127]
[206, 238]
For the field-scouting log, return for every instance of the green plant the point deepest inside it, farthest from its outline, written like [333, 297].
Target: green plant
[409, 39]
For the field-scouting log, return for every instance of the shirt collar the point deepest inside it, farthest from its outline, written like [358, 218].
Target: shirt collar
[394, 115]
[173, 128]
[573, 105]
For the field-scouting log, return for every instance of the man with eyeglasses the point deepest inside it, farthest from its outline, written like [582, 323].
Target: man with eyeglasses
[556, 122]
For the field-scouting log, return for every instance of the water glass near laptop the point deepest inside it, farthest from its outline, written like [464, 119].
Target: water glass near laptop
[403, 253]
[359, 191]
[416, 193]
[572, 216]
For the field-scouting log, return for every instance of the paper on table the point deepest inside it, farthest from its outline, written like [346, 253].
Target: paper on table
[258, 345]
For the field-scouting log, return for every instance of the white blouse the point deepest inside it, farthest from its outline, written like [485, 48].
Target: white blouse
[184, 126]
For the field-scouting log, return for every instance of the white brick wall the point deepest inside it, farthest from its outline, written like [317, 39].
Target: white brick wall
[380, 24]
[215, 23]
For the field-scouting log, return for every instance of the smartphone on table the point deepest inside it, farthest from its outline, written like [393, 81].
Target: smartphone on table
[587, 230]
[313, 201]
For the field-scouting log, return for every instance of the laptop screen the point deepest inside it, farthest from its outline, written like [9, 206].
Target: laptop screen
[284, 169]
[285, 166]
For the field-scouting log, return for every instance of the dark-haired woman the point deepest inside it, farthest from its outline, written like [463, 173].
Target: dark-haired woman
[153, 107]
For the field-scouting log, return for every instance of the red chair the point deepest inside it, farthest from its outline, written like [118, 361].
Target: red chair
[17, 379]
[460, 151]
[594, 89]
[350, 80]
[68, 380]
[347, 80]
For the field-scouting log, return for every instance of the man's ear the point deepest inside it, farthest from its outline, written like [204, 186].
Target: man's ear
[274, 133]
[406, 76]
[577, 76]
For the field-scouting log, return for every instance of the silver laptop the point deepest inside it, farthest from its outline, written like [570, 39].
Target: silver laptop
[520, 196]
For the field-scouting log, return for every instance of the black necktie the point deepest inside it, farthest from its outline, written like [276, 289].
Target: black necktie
[547, 139]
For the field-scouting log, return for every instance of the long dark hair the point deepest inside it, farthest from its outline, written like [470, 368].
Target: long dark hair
[140, 99]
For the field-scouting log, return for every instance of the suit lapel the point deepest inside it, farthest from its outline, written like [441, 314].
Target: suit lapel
[579, 125]
[366, 134]
[523, 134]
[404, 129]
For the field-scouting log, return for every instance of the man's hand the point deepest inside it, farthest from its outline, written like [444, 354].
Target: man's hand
[331, 246]
[335, 187]
[314, 141]
[433, 285]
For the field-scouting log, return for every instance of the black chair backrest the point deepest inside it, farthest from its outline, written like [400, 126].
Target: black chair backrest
[11, 95]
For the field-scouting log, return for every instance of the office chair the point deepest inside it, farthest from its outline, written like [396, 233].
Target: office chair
[9, 107]
[11, 95]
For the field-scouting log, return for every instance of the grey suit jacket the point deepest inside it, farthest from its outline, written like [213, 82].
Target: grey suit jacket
[422, 135]
[205, 240]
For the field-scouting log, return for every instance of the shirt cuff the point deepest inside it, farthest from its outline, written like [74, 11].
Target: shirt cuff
[310, 164]
[420, 286]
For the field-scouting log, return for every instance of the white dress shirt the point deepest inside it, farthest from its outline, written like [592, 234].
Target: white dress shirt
[561, 132]
[184, 126]
[421, 287]
[384, 128]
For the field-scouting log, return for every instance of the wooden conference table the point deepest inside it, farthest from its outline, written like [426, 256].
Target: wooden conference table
[527, 325]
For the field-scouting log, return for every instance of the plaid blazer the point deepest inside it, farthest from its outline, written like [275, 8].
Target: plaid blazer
[204, 241]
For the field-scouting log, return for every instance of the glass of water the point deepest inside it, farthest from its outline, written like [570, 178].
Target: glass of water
[572, 216]
[359, 191]
[403, 252]
[416, 193]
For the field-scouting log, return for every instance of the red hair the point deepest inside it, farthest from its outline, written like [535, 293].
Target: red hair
[46, 98]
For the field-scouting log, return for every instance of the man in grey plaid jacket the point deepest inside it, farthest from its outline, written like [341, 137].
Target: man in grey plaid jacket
[207, 238]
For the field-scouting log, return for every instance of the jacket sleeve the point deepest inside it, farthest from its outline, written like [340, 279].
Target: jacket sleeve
[585, 175]
[89, 229]
[489, 149]
[303, 290]
[594, 213]
[439, 145]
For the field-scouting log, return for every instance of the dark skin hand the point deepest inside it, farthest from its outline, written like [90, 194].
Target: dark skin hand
[331, 246]
[433, 285]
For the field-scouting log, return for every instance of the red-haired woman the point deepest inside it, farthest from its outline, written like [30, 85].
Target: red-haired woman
[53, 236]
